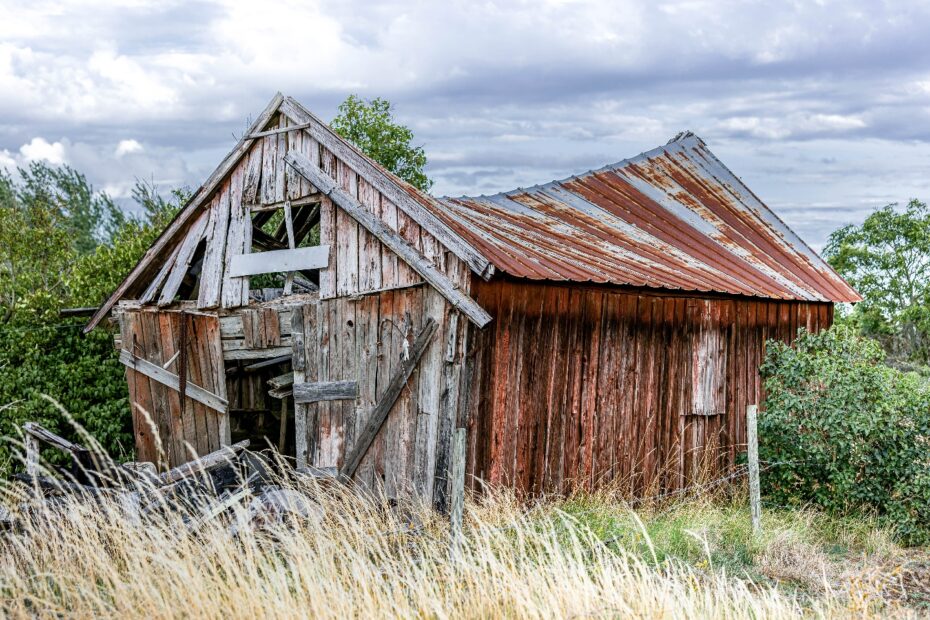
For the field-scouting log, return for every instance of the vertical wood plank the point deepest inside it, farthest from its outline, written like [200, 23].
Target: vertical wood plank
[239, 236]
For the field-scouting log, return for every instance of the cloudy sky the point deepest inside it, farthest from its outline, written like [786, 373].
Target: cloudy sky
[823, 108]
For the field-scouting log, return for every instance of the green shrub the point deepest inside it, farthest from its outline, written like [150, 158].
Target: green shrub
[845, 431]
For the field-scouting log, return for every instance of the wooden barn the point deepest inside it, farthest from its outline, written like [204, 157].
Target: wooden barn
[607, 326]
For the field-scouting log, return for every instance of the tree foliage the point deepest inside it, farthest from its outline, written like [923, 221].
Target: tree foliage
[887, 259]
[370, 125]
[845, 431]
[62, 244]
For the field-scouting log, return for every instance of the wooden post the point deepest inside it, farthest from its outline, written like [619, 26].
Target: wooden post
[31, 445]
[752, 438]
[282, 434]
[458, 486]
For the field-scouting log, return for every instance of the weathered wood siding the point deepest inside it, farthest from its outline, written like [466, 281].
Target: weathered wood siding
[363, 339]
[166, 433]
[358, 262]
[579, 386]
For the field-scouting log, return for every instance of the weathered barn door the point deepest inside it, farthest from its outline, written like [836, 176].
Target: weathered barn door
[376, 389]
[170, 355]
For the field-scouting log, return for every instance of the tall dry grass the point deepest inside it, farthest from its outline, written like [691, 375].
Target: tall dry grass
[362, 559]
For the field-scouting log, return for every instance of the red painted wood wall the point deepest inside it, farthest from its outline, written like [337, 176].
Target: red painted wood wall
[583, 386]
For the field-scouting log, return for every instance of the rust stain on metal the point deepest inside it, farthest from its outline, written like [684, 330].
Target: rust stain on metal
[674, 218]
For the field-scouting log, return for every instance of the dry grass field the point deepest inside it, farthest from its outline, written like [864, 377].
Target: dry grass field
[586, 556]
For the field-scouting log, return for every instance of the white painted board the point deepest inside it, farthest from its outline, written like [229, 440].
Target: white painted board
[276, 261]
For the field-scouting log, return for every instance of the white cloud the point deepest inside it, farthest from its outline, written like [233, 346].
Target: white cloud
[41, 149]
[6, 161]
[126, 147]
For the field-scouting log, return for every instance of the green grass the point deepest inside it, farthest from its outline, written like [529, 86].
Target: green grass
[796, 547]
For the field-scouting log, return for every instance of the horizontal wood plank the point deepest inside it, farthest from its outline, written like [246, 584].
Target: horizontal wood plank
[275, 261]
[325, 390]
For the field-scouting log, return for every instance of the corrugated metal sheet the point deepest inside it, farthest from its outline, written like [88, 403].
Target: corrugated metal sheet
[672, 218]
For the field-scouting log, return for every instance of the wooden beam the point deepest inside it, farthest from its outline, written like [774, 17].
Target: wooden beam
[422, 265]
[205, 463]
[381, 410]
[171, 380]
[43, 434]
[280, 359]
[325, 390]
[389, 186]
[309, 199]
[182, 219]
[271, 132]
[257, 354]
[275, 261]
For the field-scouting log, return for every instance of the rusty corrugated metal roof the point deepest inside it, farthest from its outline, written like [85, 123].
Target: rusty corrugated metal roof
[672, 218]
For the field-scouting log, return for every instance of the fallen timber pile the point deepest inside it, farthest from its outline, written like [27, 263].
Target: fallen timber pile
[230, 480]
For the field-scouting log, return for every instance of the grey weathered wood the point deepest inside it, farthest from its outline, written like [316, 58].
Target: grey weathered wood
[231, 325]
[211, 275]
[272, 132]
[31, 446]
[180, 223]
[387, 186]
[257, 354]
[285, 380]
[276, 261]
[325, 391]
[458, 485]
[239, 237]
[308, 199]
[171, 380]
[41, 433]
[279, 359]
[148, 296]
[205, 463]
[419, 263]
[752, 441]
[183, 261]
[282, 431]
[380, 413]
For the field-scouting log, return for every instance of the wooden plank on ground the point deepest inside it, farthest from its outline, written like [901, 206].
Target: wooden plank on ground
[390, 238]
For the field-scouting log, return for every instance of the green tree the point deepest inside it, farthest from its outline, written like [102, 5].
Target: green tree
[89, 217]
[887, 259]
[41, 271]
[35, 250]
[370, 125]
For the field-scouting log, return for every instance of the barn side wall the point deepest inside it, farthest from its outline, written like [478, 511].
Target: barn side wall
[578, 387]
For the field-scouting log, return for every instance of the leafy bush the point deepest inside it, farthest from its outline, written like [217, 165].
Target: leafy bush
[846, 432]
[45, 266]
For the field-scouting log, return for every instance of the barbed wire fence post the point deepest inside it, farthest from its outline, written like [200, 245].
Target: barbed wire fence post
[752, 439]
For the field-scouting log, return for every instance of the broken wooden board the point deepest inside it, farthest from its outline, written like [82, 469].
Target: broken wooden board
[169, 379]
[279, 261]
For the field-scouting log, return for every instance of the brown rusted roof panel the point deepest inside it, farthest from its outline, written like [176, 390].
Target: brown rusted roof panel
[673, 218]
